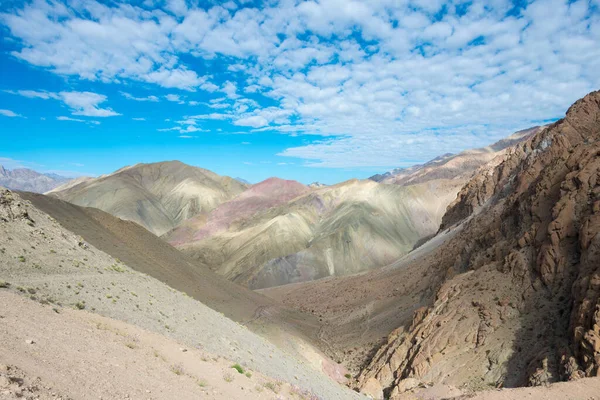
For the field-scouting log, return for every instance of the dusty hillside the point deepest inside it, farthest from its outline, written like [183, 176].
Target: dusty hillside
[30, 180]
[157, 196]
[519, 294]
[333, 230]
[51, 352]
[43, 260]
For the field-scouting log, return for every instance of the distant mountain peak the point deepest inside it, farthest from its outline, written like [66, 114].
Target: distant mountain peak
[28, 180]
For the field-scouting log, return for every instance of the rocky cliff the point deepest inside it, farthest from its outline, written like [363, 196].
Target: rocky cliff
[518, 285]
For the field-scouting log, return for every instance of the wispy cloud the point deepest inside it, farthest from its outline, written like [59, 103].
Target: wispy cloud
[131, 97]
[81, 103]
[9, 113]
[139, 119]
[63, 118]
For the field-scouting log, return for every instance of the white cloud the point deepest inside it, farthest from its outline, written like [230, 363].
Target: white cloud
[9, 113]
[63, 118]
[230, 89]
[86, 104]
[131, 97]
[379, 82]
[175, 98]
[80, 103]
[139, 119]
[255, 121]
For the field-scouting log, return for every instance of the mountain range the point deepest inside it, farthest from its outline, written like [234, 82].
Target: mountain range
[457, 278]
[30, 180]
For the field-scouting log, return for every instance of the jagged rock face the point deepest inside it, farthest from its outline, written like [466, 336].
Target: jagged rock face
[519, 283]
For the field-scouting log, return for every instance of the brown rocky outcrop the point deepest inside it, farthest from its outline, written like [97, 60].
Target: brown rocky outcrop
[518, 299]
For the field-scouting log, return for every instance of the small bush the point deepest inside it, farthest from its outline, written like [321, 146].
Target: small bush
[80, 305]
[4, 285]
[249, 374]
[238, 368]
[228, 377]
[22, 259]
[273, 387]
[348, 376]
[177, 369]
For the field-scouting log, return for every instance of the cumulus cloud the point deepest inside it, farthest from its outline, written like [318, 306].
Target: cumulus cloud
[379, 83]
[86, 104]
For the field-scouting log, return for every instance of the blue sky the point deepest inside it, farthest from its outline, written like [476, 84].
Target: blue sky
[308, 90]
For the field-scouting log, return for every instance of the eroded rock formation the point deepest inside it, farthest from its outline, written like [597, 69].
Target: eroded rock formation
[518, 298]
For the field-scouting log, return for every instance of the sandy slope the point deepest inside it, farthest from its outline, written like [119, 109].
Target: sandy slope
[41, 259]
[157, 196]
[86, 356]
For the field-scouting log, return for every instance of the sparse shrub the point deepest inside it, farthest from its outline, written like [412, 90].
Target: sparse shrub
[348, 376]
[4, 285]
[21, 289]
[80, 305]
[177, 369]
[131, 345]
[249, 374]
[238, 368]
[201, 382]
[22, 259]
[31, 290]
[274, 387]
[228, 377]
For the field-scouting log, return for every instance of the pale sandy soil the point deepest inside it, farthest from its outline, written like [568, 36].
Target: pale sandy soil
[583, 389]
[81, 355]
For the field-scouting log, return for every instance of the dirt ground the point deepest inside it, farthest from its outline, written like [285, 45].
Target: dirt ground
[76, 354]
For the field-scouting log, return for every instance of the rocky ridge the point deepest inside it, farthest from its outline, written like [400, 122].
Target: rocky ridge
[518, 287]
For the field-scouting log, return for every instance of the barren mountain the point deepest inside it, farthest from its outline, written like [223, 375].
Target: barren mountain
[518, 296]
[157, 196]
[266, 194]
[43, 260]
[30, 180]
[333, 230]
[271, 235]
